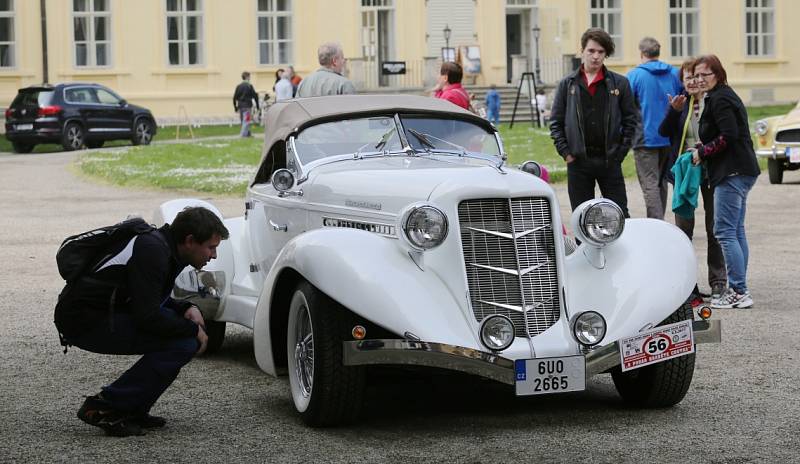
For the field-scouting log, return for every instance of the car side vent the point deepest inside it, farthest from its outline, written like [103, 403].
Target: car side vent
[375, 227]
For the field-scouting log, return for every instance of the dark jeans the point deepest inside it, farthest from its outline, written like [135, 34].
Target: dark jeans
[714, 257]
[141, 385]
[582, 174]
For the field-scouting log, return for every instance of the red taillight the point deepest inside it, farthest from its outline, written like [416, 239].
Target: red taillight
[51, 110]
[9, 112]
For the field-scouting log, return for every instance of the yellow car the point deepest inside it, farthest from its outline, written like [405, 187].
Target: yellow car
[778, 140]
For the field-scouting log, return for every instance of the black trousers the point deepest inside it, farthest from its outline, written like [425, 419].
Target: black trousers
[582, 174]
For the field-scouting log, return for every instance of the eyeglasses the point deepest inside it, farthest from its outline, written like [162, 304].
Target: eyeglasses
[703, 76]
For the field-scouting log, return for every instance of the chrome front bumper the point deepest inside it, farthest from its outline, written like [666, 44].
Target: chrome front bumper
[481, 363]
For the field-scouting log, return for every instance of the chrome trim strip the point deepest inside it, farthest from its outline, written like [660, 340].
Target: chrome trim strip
[489, 365]
[387, 230]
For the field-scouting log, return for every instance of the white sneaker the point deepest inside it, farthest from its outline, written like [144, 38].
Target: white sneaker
[731, 299]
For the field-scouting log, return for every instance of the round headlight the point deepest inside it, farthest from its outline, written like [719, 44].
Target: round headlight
[282, 180]
[425, 227]
[532, 167]
[497, 332]
[599, 221]
[589, 328]
[761, 127]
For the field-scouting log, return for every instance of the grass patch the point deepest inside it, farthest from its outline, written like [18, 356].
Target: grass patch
[225, 166]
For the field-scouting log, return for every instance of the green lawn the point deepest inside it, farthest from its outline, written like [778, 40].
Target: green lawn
[225, 166]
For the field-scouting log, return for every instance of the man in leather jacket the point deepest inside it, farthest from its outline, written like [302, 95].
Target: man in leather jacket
[594, 119]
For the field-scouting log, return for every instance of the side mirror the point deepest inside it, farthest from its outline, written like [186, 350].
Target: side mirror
[123, 102]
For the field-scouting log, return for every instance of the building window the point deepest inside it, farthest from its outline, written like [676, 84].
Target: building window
[683, 27]
[274, 31]
[185, 32]
[7, 34]
[91, 28]
[607, 15]
[760, 27]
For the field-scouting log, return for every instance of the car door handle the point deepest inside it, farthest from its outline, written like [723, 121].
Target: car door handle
[279, 227]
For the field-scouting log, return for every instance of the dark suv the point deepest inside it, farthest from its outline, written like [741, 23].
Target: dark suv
[74, 115]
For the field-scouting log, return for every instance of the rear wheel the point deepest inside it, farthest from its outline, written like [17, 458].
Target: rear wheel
[324, 391]
[216, 335]
[658, 385]
[775, 168]
[20, 147]
[73, 137]
[142, 132]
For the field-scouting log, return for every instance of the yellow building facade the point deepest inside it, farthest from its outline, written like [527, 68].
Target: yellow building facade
[176, 55]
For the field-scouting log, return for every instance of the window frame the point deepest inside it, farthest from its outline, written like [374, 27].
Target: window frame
[684, 12]
[182, 15]
[90, 42]
[271, 17]
[760, 46]
[12, 15]
[605, 11]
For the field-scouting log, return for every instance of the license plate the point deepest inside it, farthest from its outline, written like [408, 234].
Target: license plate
[23, 127]
[794, 154]
[656, 345]
[550, 375]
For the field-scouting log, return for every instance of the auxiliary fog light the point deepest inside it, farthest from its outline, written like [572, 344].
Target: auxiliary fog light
[704, 312]
[359, 332]
[589, 328]
[497, 332]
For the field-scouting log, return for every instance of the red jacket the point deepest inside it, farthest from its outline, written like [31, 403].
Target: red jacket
[455, 94]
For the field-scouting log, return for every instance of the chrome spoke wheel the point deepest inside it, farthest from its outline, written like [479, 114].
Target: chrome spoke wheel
[143, 133]
[75, 137]
[304, 352]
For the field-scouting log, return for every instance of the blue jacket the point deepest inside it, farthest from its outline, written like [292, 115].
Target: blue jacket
[493, 100]
[687, 184]
[651, 82]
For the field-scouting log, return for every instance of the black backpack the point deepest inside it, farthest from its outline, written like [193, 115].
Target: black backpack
[81, 254]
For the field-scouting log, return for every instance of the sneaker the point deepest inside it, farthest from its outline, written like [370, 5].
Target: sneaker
[97, 411]
[146, 421]
[717, 291]
[732, 299]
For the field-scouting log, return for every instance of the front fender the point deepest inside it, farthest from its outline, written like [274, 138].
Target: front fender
[372, 276]
[649, 272]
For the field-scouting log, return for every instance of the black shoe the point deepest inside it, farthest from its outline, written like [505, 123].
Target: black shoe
[97, 411]
[146, 421]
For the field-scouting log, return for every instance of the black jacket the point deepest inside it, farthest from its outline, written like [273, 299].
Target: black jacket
[244, 96]
[725, 116]
[139, 282]
[621, 117]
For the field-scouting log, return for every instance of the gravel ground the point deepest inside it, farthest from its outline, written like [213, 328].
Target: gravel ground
[743, 405]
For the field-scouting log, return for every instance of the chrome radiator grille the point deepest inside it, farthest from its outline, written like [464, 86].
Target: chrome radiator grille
[510, 260]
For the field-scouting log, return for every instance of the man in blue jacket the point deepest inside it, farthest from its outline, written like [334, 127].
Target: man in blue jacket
[651, 83]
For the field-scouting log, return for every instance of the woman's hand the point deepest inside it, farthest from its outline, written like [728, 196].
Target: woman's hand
[677, 102]
[695, 156]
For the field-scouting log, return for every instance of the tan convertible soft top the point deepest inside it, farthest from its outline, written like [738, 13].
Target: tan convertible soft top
[284, 118]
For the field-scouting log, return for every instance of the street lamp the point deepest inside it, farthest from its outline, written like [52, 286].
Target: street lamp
[447, 33]
[536, 32]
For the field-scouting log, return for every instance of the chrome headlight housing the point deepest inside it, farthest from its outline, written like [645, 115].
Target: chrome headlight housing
[589, 328]
[761, 127]
[531, 167]
[497, 332]
[598, 222]
[424, 226]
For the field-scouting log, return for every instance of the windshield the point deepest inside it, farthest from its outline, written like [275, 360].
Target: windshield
[379, 134]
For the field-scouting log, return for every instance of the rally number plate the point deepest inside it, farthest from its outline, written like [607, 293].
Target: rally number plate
[23, 127]
[550, 375]
[794, 154]
[656, 345]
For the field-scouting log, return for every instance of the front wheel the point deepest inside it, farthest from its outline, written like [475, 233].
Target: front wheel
[325, 392]
[142, 132]
[775, 168]
[658, 385]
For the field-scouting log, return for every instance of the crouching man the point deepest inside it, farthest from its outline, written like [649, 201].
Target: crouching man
[123, 307]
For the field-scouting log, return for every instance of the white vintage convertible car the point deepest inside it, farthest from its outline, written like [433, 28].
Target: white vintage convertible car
[388, 230]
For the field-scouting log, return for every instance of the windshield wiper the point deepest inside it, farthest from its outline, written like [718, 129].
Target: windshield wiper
[379, 145]
[422, 138]
[426, 140]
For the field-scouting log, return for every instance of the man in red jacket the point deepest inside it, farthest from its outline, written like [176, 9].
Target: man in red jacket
[449, 86]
